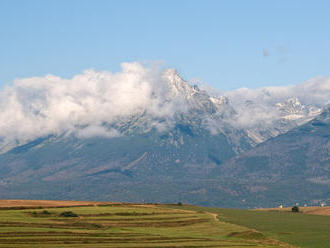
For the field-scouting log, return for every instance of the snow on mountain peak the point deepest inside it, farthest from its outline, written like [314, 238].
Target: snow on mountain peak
[293, 109]
[39, 106]
[96, 103]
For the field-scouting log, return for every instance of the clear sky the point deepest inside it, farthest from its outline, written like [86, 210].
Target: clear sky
[228, 44]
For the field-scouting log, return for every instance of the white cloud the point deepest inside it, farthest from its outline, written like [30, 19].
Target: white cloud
[90, 103]
[267, 112]
[257, 107]
[38, 106]
[96, 131]
[315, 91]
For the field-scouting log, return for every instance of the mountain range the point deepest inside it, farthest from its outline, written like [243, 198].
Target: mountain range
[181, 144]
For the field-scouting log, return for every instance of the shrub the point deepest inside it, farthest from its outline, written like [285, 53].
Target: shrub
[40, 214]
[295, 209]
[68, 214]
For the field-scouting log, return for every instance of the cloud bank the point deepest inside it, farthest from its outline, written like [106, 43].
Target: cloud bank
[262, 106]
[89, 104]
[39, 106]
[315, 91]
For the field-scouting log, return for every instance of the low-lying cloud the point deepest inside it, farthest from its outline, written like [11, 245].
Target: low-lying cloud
[38, 106]
[260, 106]
[89, 103]
[315, 91]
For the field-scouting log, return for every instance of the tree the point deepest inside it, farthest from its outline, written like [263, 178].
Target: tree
[295, 209]
[68, 214]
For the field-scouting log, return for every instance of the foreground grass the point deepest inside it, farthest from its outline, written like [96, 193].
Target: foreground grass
[298, 229]
[123, 226]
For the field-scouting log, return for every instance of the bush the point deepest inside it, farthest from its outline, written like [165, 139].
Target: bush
[68, 214]
[40, 214]
[295, 209]
[179, 203]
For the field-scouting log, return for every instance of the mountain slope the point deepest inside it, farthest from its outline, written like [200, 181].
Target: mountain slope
[186, 164]
[294, 165]
[266, 119]
[136, 136]
[150, 167]
[147, 157]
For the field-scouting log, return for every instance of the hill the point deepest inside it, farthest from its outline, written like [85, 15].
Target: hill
[33, 223]
[122, 225]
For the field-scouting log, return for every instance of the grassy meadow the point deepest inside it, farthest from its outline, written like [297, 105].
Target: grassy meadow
[306, 229]
[122, 225]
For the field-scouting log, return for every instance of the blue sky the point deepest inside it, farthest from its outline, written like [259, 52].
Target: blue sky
[227, 44]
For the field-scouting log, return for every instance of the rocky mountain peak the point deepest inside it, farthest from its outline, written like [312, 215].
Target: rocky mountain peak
[293, 109]
[177, 86]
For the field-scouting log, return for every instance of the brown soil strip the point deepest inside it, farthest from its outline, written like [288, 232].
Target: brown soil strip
[305, 210]
[318, 211]
[157, 224]
[102, 240]
[51, 233]
[129, 214]
[45, 203]
[75, 225]
[137, 219]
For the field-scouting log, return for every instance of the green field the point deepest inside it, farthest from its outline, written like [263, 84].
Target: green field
[301, 230]
[123, 225]
[137, 225]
